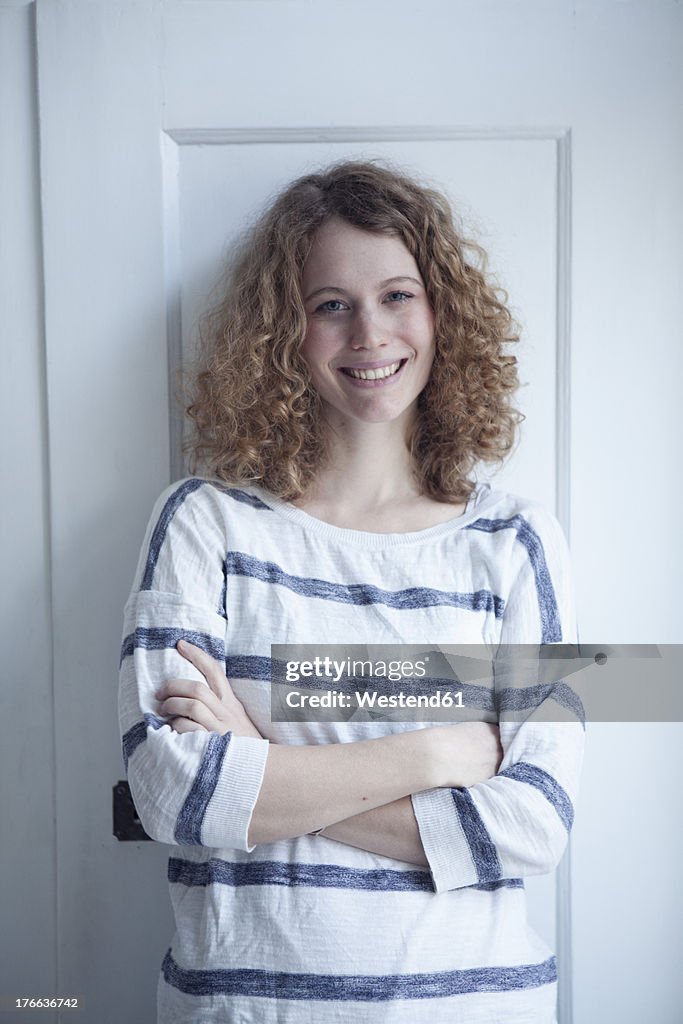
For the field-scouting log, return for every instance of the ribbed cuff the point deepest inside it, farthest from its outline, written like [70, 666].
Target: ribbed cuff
[229, 812]
[445, 844]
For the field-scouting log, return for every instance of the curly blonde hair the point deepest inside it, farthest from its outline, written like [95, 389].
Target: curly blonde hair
[256, 416]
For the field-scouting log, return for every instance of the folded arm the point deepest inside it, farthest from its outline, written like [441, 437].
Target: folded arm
[359, 792]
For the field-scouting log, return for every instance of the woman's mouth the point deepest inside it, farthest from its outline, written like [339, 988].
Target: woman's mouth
[376, 375]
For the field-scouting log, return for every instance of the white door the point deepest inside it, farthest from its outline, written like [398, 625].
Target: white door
[163, 126]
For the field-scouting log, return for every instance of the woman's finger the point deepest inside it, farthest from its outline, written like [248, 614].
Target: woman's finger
[190, 688]
[194, 710]
[208, 666]
[186, 725]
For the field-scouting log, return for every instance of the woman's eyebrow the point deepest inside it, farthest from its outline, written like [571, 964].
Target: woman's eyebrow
[381, 284]
[401, 277]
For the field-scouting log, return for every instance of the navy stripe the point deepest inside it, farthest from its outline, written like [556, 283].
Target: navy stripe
[514, 698]
[246, 499]
[548, 786]
[287, 873]
[240, 564]
[551, 628]
[157, 638]
[482, 848]
[357, 987]
[501, 883]
[248, 666]
[188, 829]
[316, 876]
[169, 510]
[322, 876]
[259, 669]
[137, 734]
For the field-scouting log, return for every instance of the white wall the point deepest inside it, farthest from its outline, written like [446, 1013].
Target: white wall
[28, 950]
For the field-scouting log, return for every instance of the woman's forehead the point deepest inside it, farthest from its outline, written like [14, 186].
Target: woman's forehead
[339, 246]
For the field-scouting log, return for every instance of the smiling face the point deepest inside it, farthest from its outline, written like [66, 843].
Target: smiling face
[369, 343]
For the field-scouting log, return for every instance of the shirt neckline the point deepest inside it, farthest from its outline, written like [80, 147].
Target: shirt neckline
[481, 498]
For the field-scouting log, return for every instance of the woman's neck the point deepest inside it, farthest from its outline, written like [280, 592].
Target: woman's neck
[367, 468]
[369, 483]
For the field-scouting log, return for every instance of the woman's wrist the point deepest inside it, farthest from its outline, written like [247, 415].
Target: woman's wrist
[425, 752]
[464, 754]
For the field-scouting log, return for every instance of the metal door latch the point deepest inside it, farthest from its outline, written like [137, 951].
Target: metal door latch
[127, 826]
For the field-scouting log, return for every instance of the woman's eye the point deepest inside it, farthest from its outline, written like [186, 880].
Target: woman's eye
[331, 306]
[338, 306]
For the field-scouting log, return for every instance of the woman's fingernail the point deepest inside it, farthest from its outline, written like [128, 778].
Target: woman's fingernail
[182, 645]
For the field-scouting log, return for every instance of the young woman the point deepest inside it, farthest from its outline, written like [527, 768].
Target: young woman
[355, 373]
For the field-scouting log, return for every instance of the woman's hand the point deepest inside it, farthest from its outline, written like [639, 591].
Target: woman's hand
[192, 706]
[466, 753]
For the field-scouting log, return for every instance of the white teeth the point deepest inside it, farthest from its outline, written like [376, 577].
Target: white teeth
[382, 371]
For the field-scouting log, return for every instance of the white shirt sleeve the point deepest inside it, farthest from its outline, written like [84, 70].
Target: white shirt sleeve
[517, 823]
[194, 788]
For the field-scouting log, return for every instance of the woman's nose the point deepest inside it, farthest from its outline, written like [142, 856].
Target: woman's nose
[367, 332]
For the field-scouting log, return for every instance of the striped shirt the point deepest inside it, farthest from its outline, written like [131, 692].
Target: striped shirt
[308, 929]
